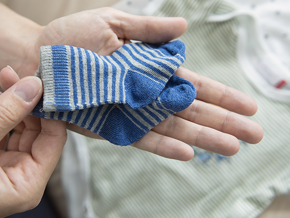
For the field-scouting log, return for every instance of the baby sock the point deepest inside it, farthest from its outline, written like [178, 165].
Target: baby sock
[135, 75]
[122, 125]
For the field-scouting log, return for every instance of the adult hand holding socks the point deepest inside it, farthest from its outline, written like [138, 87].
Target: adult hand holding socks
[120, 97]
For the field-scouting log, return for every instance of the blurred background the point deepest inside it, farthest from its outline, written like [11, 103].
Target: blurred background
[244, 44]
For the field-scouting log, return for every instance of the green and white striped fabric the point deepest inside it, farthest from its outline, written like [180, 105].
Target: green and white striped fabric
[126, 182]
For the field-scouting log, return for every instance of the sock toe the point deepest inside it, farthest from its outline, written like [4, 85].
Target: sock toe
[178, 94]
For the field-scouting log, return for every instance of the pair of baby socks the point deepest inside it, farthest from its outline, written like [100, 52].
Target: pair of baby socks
[119, 97]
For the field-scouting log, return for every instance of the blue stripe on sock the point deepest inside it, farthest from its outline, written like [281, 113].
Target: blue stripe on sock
[168, 49]
[73, 74]
[89, 70]
[80, 112]
[95, 117]
[159, 111]
[154, 47]
[133, 67]
[149, 55]
[149, 65]
[60, 116]
[145, 118]
[69, 116]
[160, 56]
[162, 107]
[89, 111]
[123, 71]
[60, 76]
[51, 115]
[174, 47]
[164, 58]
[82, 82]
[103, 117]
[154, 115]
[124, 110]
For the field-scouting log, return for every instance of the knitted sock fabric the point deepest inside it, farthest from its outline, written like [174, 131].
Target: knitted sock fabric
[72, 90]
[134, 75]
[122, 125]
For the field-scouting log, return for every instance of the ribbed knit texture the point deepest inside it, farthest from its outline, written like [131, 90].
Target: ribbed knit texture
[120, 97]
[134, 75]
[129, 183]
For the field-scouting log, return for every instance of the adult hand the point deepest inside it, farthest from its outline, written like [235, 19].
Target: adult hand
[213, 122]
[32, 150]
[104, 31]
[202, 124]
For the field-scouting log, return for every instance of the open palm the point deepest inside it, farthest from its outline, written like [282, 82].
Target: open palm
[202, 124]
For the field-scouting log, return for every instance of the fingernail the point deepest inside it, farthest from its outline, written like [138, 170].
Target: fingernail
[10, 68]
[28, 89]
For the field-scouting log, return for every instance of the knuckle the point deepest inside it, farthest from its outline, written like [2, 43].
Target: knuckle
[225, 121]
[198, 136]
[7, 115]
[193, 111]
[199, 83]
[223, 95]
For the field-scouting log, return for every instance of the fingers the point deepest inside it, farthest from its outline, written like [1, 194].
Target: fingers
[223, 120]
[197, 135]
[8, 77]
[165, 146]
[47, 147]
[3, 142]
[14, 139]
[152, 142]
[216, 93]
[17, 102]
[145, 28]
[29, 133]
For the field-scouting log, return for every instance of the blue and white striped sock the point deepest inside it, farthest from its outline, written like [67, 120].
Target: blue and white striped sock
[135, 75]
[121, 96]
[122, 125]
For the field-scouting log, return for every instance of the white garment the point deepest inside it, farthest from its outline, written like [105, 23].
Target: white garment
[273, 18]
[264, 45]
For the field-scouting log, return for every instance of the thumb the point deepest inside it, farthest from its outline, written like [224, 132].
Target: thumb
[17, 102]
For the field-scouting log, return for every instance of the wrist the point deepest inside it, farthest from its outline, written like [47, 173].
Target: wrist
[19, 45]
